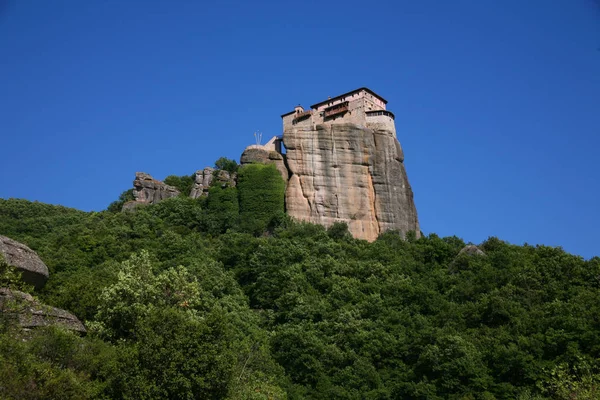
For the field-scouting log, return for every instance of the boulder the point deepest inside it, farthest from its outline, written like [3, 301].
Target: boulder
[29, 313]
[263, 155]
[33, 269]
[349, 173]
[471, 250]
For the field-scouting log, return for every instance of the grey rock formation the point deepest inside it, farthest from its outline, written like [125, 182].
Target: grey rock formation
[30, 313]
[472, 250]
[202, 182]
[33, 269]
[225, 179]
[349, 173]
[147, 190]
[260, 154]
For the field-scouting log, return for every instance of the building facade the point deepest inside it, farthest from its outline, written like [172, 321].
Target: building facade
[361, 107]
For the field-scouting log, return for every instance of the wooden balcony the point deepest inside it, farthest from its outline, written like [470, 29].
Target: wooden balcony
[302, 115]
[335, 110]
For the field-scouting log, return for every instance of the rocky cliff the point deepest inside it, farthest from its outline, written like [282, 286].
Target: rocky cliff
[349, 173]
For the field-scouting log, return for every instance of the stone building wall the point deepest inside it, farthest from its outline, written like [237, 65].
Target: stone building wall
[381, 122]
[358, 103]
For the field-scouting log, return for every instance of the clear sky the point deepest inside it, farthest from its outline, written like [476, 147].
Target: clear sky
[497, 103]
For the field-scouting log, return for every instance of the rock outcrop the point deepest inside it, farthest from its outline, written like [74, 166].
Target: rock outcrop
[349, 173]
[147, 190]
[225, 179]
[30, 313]
[342, 162]
[202, 182]
[264, 155]
[33, 269]
[472, 250]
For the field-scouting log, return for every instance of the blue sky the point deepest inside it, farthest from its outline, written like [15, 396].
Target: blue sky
[497, 103]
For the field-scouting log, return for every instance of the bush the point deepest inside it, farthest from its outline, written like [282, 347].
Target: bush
[222, 209]
[183, 183]
[261, 195]
[124, 197]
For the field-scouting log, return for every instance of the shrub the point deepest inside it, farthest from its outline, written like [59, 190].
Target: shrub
[261, 192]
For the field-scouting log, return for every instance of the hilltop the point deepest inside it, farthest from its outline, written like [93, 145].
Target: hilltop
[177, 307]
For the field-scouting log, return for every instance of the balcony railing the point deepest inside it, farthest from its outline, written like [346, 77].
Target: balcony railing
[374, 113]
[301, 115]
[335, 110]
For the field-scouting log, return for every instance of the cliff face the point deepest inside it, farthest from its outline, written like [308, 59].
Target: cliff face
[349, 173]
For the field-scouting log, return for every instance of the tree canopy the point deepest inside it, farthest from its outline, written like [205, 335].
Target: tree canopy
[183, 299]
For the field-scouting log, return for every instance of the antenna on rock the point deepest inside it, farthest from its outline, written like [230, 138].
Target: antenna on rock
[258, 137]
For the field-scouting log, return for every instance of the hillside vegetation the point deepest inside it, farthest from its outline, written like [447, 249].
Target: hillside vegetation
[199, 299]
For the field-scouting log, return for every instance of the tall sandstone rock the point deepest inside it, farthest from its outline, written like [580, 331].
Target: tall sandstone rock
[341, 162]
[349, 173]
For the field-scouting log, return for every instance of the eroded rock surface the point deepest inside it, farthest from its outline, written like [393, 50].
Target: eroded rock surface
[262, 155]
[33, 269]
[30, 313]
[202, 182]
[226, 179]
[349, 173]
[471, 250]
[147, 190]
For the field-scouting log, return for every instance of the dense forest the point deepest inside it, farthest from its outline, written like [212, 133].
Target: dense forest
[225, 297]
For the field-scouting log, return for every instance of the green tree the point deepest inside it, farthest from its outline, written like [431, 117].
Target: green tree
[226, 164]
[183, 183]
[124, 197]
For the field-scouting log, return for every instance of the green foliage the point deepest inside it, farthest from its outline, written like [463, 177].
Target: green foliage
[182, 300]
[338, 230]
[124, 197]
[222, 209]
[261, 192]
[226, 164]
[10, 277]
[54, 364]
[580, 380]
[182, 183]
